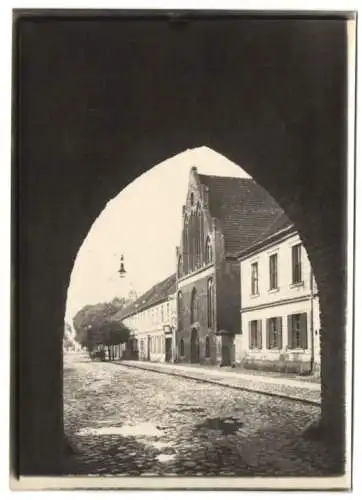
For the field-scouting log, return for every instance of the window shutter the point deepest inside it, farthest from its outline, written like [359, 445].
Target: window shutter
[290, 333]
[304, 330]
[259, 336]
[270, 282]
[250, 339]
[268, 339]
[280, 332]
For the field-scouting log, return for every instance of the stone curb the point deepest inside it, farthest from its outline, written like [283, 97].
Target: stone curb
[265, 392]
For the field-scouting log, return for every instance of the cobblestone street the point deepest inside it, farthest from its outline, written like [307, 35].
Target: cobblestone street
[126, 421]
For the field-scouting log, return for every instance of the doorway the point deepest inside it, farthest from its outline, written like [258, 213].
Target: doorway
[195, 347]
[168, 349]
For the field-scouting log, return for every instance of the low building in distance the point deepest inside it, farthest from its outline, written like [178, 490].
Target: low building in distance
[152, 319]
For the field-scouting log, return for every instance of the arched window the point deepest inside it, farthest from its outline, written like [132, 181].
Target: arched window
[202, 250]
[198, 237]
[191, 199]
[182, 348]
[207, 347]
[193, 307]
[208, 251]
[179, 266]
[191, 235]
[210, 303]
[186, 247]
[179, 310]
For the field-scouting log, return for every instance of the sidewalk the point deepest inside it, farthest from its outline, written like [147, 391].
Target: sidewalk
[294, 389]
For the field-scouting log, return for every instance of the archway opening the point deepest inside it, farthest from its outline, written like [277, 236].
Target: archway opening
[125, 293]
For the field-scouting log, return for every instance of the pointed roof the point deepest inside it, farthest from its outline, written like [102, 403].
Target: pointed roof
[158, 293]
[245, 209]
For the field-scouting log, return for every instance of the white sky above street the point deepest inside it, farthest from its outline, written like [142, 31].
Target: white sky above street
[143, 222]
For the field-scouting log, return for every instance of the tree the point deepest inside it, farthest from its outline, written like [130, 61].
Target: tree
[113, 334]
[95, 329]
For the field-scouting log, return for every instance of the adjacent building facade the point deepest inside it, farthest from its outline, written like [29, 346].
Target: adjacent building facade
[151, 320]
[280, 305]
[221, 216]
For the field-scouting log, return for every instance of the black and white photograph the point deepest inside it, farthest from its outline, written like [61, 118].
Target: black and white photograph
[182, 254]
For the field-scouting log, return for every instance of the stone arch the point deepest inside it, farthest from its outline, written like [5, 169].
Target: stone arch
[291, 138]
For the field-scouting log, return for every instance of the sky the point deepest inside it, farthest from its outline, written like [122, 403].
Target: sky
[142, 223]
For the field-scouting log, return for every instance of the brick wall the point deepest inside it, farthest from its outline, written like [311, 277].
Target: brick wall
[199, 283]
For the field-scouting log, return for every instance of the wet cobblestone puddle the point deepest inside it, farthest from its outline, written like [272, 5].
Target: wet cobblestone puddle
[126, 421]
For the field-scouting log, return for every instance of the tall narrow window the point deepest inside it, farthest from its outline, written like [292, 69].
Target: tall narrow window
[274, 333]
[297, 263]
[179, 266]
[208, 251]
[254, 279]
[207, 347]
[179, 310]
[186, 247]
[297, 331]
[192, 242]
[202, 250]
[182, 348]
[193, 306]
[255, 334]
[197, 237]
[210, 303]
[273, 271]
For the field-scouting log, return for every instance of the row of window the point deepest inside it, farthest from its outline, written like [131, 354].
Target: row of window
[193, 258]
[195, 310]
[297, 333]
[153, 316]
[156, 345]
[196, 249]
[273, 270]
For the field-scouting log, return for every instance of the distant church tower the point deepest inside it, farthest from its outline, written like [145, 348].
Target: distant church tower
[132, 295]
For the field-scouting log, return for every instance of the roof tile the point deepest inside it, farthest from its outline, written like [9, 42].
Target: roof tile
[245, 210]
[156, 294]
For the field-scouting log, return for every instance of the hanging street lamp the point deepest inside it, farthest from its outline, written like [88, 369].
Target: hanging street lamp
[121, 270]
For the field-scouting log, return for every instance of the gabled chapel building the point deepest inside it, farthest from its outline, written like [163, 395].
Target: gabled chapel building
[222, 216]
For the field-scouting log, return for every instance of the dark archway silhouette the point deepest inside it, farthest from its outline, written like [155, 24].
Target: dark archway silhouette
[268, 94]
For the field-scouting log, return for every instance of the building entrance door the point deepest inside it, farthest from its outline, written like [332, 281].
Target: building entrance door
[168, 349]
[226, 355]
[227, 350]
[195, 348]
